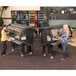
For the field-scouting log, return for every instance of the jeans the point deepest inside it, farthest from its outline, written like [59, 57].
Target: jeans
[4, 47]
[49, 50]
[64, 49]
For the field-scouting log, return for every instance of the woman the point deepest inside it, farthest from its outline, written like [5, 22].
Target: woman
[63, 39]
[3, 39]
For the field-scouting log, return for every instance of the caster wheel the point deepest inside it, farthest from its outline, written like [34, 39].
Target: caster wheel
[51, 57]
[44, 54]
[12, 50]
[22, 55]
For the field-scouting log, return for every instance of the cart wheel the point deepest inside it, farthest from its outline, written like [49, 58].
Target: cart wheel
[51, 57]
[12, 50]
[22, 55]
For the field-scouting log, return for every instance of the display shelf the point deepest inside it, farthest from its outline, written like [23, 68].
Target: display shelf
[41, 18]
[20, 17]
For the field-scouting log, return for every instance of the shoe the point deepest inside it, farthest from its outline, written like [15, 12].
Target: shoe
[51, 57]
[44, 54]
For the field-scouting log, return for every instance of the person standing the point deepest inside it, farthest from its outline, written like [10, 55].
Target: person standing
[3, 40]
[63, 38]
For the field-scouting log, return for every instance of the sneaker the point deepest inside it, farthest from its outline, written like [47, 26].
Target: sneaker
[22, 55]
[44, 54]
[51, 57]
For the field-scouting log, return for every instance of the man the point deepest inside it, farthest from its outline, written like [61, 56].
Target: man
[45, 40]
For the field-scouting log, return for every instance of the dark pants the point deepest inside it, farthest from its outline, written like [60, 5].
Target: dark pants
[47, 49]
[64, 49]
[4, 47]
[29, 49]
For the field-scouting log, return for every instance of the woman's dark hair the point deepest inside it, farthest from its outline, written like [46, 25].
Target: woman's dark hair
[2, 27]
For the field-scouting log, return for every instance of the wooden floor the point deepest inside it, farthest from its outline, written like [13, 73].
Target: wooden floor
[13, 60]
